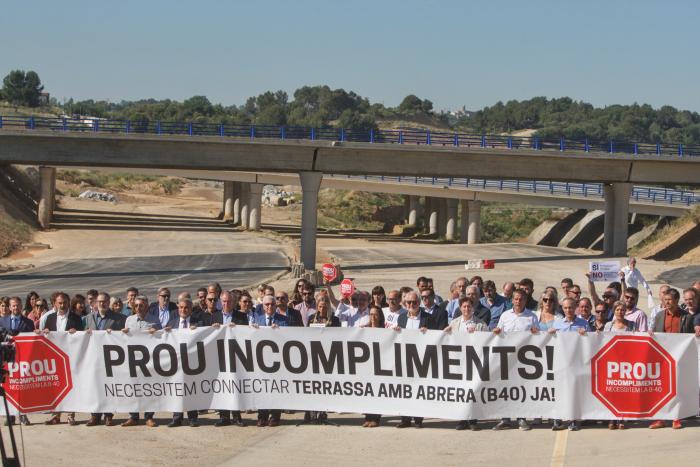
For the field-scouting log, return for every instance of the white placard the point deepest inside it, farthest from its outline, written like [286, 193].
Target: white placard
[604, 271]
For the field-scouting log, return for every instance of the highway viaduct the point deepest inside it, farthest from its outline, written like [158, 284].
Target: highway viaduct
[311, 159]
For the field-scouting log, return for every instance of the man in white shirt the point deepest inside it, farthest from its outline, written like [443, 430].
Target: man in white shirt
[663, 290]
[516, 319]
[355, 314]
[394, 310]
[137, 323]
[632, 277]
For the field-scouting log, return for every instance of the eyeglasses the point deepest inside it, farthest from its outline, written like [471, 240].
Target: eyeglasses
[210, 299]
[546, 300]
[607, 296]
[629, 297]
[426, 297]
[164, 296]
[411, 302]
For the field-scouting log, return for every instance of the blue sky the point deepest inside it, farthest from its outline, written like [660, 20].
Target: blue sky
[471, 53]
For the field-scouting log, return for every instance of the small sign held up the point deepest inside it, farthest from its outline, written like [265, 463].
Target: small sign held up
[604, 271]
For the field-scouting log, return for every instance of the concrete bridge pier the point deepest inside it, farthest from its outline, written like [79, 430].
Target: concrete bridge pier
[431, 212]
[442, 217]
[245, 205]
[616, 223]
[412, 209]
[474, 226]
[236, 209]
[310, 184]
[229, 200]
[47, 195]
[463, 220]
[451, 221]
[255, 206]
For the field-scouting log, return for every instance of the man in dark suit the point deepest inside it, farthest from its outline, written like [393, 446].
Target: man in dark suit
[228, 317]
[104, 320]
[63, 320]
[163, 310]
[270, 318]
[15, 322]
[183, 320]
[282, 307]
[436, 317]
[416, 318]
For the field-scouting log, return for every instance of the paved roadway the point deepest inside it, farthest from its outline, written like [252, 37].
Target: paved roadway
[350, 444]
[115, 275]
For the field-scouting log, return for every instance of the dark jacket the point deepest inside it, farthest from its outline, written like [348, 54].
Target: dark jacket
[24, 325]
[74, 322]
[114, 321]
[422, 316]
[335, 322]
[152, 314]
[239, 318]
[437, 320]
[687, 325]
[203, 320]
[294, 317]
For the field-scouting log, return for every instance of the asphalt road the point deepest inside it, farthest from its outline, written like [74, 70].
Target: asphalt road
[114, 275]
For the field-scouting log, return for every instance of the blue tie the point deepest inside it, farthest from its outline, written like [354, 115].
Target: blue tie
[14, 323]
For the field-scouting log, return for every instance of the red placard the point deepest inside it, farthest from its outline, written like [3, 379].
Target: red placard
[633, 376]
[329, 272]
[346, 287]
[40, 376]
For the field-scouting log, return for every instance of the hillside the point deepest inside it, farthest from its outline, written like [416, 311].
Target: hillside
[679, 241]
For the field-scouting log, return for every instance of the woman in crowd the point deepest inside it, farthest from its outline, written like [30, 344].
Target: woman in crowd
[547, 310]
[467, 322]
[376, 320]
[324, 315]
[30, 302]
[40, 308]
[116, 304]
[379, 297]
[299, 287]
[4, 306]
[618, 325]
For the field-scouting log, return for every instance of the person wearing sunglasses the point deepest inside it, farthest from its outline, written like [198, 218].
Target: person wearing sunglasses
[162, 310]
[282, 308]
[547, 310]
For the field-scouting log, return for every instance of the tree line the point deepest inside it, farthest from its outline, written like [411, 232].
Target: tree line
[321, 106]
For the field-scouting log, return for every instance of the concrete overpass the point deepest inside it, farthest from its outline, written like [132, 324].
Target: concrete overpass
[311, 159]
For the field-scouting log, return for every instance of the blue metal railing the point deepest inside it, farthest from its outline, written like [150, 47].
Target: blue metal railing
[409, 136]
[657, 195]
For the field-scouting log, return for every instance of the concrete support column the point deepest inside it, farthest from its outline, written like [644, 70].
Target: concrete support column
[228, 202]
[442, 217]
[621, 219]
[432, 205]
[255, 206]
[236, 209]
[451, 223]
[463, 220]
[474, 228]
[245, 205]
[47, 195]
[608, 219]
[412, 210]
[310, 184]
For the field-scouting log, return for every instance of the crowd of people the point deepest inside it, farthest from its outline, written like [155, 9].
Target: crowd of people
[472, 305]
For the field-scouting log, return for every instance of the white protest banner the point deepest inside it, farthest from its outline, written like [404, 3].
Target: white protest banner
[362, 370]
[604, 271]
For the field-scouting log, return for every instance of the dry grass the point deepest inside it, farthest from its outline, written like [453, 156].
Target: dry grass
[13, 234]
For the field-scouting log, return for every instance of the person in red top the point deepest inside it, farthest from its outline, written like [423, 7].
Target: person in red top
[675, 320]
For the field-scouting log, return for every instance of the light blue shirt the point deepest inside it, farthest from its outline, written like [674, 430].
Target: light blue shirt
[562, 324]
[227, 317]
[497, 308]
[163, 316]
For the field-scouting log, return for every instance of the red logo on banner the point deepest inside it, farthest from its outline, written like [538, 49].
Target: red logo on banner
[329, 272]
[633, 376]
[346, 287]
[40, 376]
